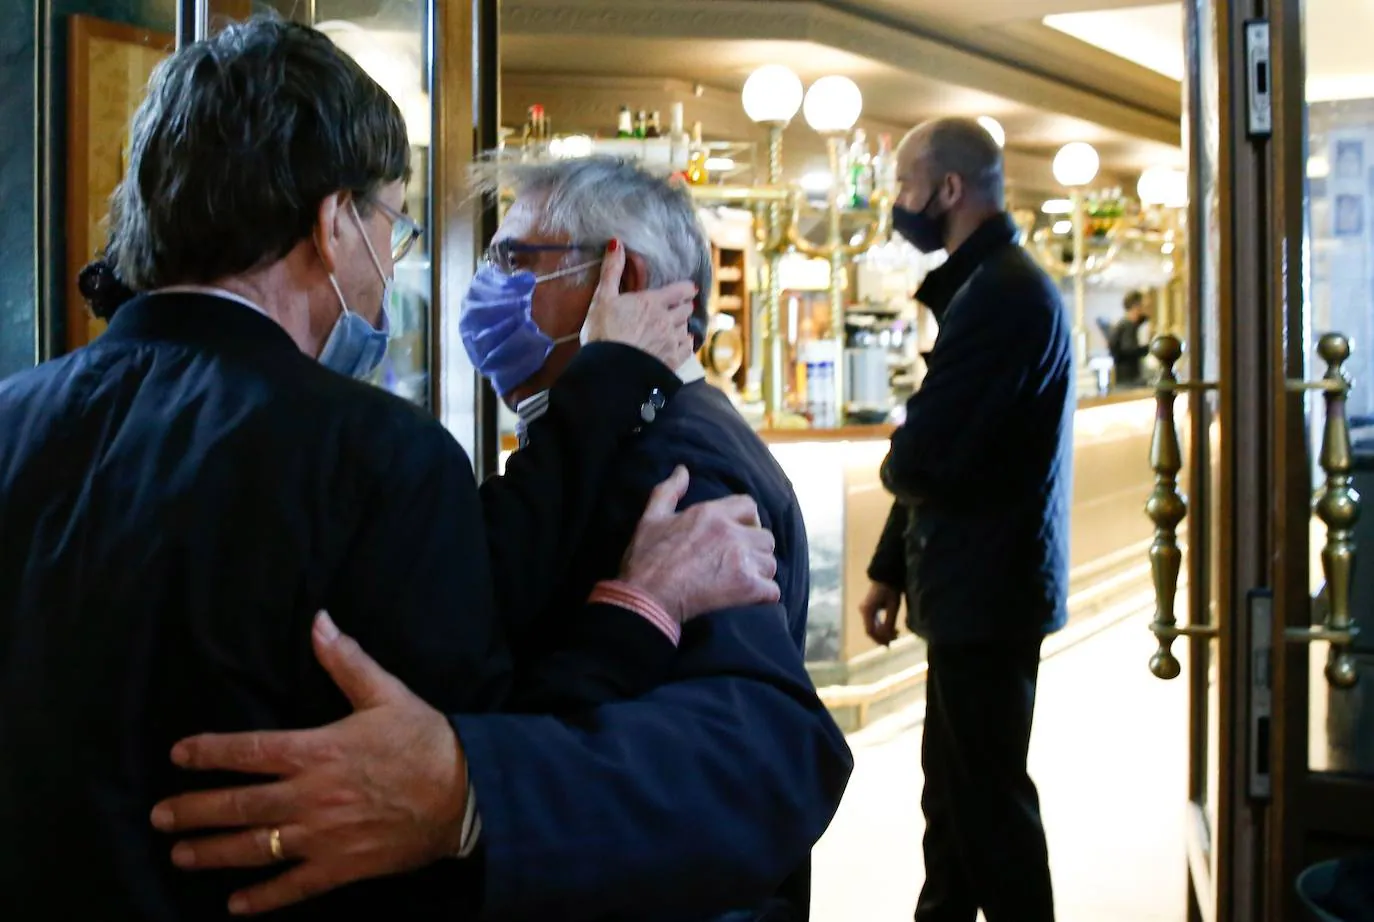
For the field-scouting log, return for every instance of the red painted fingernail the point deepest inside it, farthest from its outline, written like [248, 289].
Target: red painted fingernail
[613, 245]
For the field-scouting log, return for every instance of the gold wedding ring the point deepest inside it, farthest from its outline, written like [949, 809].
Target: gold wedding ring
[274, 845]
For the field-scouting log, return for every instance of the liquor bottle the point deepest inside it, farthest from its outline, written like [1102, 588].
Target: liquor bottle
[696, 159]
[885, 167]
[655, 129]
[625, 128]
[641, 124]
[677, 134]
[860, 171]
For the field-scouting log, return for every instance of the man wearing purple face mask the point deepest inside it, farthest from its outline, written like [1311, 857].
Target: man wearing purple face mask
[699, 799]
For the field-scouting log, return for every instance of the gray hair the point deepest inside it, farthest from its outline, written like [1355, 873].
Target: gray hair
[597, 198]
[239, 140]
[965, 148]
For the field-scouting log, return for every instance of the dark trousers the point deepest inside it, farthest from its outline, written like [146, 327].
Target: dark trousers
[984, 843]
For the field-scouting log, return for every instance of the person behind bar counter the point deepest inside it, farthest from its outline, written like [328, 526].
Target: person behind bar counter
[1128, 353]
[979, 534]
[180, 497]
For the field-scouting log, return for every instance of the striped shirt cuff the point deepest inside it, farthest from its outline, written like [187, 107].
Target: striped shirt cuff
[623, 595]
[472, 824]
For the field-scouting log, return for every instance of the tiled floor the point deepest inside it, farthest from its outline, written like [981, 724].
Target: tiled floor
[1109, 756]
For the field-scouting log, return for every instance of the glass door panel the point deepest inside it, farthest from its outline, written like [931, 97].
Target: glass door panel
[390, 40]
[1339, 297]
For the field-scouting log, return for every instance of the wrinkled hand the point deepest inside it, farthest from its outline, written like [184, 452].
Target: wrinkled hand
[879, 610]
[711, 556]
[652, 321]
[381, 792]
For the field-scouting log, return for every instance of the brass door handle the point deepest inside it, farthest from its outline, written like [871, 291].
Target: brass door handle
[1337, 504]
[1167, 508]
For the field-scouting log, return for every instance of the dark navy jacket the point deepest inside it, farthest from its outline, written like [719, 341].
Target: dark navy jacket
[179, 498]
[777, 785]
[983, 466]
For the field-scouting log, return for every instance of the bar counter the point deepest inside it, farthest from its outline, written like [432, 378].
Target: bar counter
[835, 475]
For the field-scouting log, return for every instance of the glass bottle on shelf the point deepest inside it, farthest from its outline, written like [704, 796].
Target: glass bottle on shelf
[885, 167]
[642, 125]
[625, 128]
[860, 171]
[654, 130]
[680, 142]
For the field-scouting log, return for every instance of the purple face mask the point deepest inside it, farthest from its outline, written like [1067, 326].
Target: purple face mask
[499, 334]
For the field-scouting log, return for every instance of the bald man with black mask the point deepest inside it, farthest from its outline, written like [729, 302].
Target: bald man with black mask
[978, 538]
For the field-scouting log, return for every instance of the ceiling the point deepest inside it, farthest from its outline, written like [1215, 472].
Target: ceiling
[987, 11]
[1339, 66]
[907, 73]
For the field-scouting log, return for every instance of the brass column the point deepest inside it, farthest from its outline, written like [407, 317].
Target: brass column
[772, 382]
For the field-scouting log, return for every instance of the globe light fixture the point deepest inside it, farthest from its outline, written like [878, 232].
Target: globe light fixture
[1076, 164]
[1163, 187]
[994, 128]
[772, 94]
[833, 105]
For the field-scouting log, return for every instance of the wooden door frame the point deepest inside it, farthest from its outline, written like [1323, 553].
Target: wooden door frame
[1239, 547]
[464, 91]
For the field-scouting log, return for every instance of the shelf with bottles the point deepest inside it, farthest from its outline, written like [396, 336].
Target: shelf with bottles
[641, 137]
[1106, 212]
[861, 174]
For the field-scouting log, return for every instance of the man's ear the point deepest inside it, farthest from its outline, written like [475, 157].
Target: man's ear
[954, 188]
[636, 274]
[328, 230]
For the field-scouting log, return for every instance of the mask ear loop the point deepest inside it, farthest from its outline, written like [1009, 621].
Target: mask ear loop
[563, 273]
[566, 271]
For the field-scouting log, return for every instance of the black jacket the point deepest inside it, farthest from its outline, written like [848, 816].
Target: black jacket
[779, 783]
[982, 468]
[176, 502]
[1127, 352]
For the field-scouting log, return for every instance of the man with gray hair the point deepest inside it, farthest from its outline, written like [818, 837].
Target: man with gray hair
[736, 734]
[706, 793]
[978, 538]
[180, 498]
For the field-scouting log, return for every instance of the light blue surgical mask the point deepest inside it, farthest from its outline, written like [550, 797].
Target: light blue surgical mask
[499, 334]
[355, 347]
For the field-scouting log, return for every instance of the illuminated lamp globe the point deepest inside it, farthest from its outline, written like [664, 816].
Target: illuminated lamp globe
[1163, 187]
[994, 128]
[1076, 164]
[833, 105]
[772, 94]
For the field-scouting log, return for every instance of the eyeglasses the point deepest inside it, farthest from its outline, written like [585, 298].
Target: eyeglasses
[505, 254]
[404, 231]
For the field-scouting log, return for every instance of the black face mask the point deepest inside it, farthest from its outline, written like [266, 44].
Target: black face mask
[925, 233]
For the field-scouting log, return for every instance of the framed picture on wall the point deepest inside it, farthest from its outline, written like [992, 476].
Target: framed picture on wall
[109, 65]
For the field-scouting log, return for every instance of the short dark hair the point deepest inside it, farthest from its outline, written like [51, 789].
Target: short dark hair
[1133, 299]
[965, 148]
[240, 139]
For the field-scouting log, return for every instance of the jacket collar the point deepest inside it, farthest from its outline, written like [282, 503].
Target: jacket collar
[942, 284]
[198, 318]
